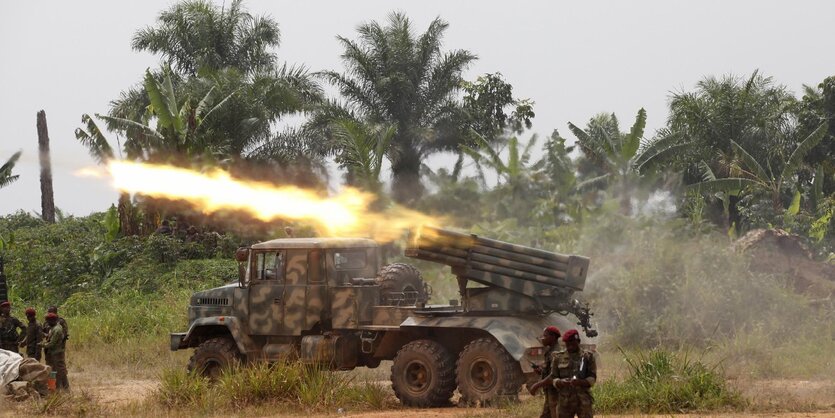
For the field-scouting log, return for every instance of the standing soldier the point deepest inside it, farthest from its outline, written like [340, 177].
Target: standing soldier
[34, 336]
[54, 351]
[9, 336]
[550, 339]
[54, 309]
[575, 374]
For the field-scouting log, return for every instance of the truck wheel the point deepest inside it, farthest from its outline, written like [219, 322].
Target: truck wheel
[401, 284]
[487, 373]
[422, 374]
[213, 356]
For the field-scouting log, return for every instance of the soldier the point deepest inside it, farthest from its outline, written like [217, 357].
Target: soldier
[54, 351]
[34, 336]
[9, 336]
[574, 371]
[61, 320]
[550, 339]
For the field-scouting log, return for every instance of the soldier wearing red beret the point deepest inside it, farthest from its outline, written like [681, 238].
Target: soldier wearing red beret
[34, 336]
[575, 372]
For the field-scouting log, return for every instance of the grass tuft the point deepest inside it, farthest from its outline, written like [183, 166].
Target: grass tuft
[278, 384]
[660, 381]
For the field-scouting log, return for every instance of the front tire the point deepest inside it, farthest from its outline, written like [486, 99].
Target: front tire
[422, 374]
[213, 356]
[486, 373]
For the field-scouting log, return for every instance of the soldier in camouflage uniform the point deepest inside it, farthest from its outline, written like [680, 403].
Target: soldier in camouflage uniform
[574, 372]
[61, 320]
[54, 351]
[550, 339]
[9, 336]
[34, 336]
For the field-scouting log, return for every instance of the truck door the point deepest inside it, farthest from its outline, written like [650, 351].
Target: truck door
[266, 292]
[295, 292]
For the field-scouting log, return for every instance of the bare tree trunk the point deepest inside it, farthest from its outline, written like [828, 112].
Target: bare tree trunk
[127, 216]
[47, 200]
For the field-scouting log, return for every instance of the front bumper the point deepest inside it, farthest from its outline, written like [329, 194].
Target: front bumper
[177, 341]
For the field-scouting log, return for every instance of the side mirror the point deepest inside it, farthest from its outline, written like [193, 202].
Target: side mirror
[242, 254]
[242, 257]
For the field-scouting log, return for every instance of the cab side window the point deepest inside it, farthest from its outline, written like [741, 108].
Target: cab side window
[270, 266]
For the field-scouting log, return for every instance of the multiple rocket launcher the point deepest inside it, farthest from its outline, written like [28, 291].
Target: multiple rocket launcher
[498, 263]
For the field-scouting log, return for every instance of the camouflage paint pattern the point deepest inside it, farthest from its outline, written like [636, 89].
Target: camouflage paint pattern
[295, 293]
[352, 306]
[497, 299]
[516, 333]
[391, 315]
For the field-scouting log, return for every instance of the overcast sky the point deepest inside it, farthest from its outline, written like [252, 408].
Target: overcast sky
[573, 59]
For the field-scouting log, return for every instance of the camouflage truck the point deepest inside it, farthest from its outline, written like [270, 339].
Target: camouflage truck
[332, 302]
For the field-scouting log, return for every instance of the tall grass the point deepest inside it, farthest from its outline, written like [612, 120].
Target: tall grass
[660, 381]
[280, 384]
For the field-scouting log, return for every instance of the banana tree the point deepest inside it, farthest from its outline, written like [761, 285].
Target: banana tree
[749, 174]
[614, 153]
[6, 176]
[752, 175]
[517, 177]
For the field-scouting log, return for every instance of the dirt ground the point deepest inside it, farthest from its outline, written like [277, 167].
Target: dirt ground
[113, 393]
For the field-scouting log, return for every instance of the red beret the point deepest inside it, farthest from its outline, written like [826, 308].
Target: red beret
[30, 312]
[5, 303]
[571, 334]
[52, 315]
[553, 330]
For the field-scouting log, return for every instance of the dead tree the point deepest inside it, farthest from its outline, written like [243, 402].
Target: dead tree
[47, 199]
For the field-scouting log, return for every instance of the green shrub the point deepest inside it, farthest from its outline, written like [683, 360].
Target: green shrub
[663, 382]
[179, 388]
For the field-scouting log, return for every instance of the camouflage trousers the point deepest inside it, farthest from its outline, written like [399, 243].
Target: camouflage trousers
[549, 409]
[59, 365]
[34, 352]
[574, 402]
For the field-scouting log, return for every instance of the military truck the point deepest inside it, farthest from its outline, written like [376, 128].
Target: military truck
[333, 303]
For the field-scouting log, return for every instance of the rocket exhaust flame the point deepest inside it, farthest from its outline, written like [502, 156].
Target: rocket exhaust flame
[348, 213]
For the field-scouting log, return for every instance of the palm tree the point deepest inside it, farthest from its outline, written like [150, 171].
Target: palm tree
[362, 149]
[6, 176]
[229, 51]
[196, 35]
[394, 77]
[751, 174]
[704, 124]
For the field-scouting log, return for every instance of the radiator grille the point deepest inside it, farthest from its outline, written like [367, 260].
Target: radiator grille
[213, 301]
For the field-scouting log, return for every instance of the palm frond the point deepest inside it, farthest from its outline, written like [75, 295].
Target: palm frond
[94, 140]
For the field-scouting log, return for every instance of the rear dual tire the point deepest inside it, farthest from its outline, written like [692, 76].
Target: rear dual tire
[423, 374]
[487, 374]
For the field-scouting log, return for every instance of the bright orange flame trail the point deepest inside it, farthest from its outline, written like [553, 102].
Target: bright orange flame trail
[346, 213]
